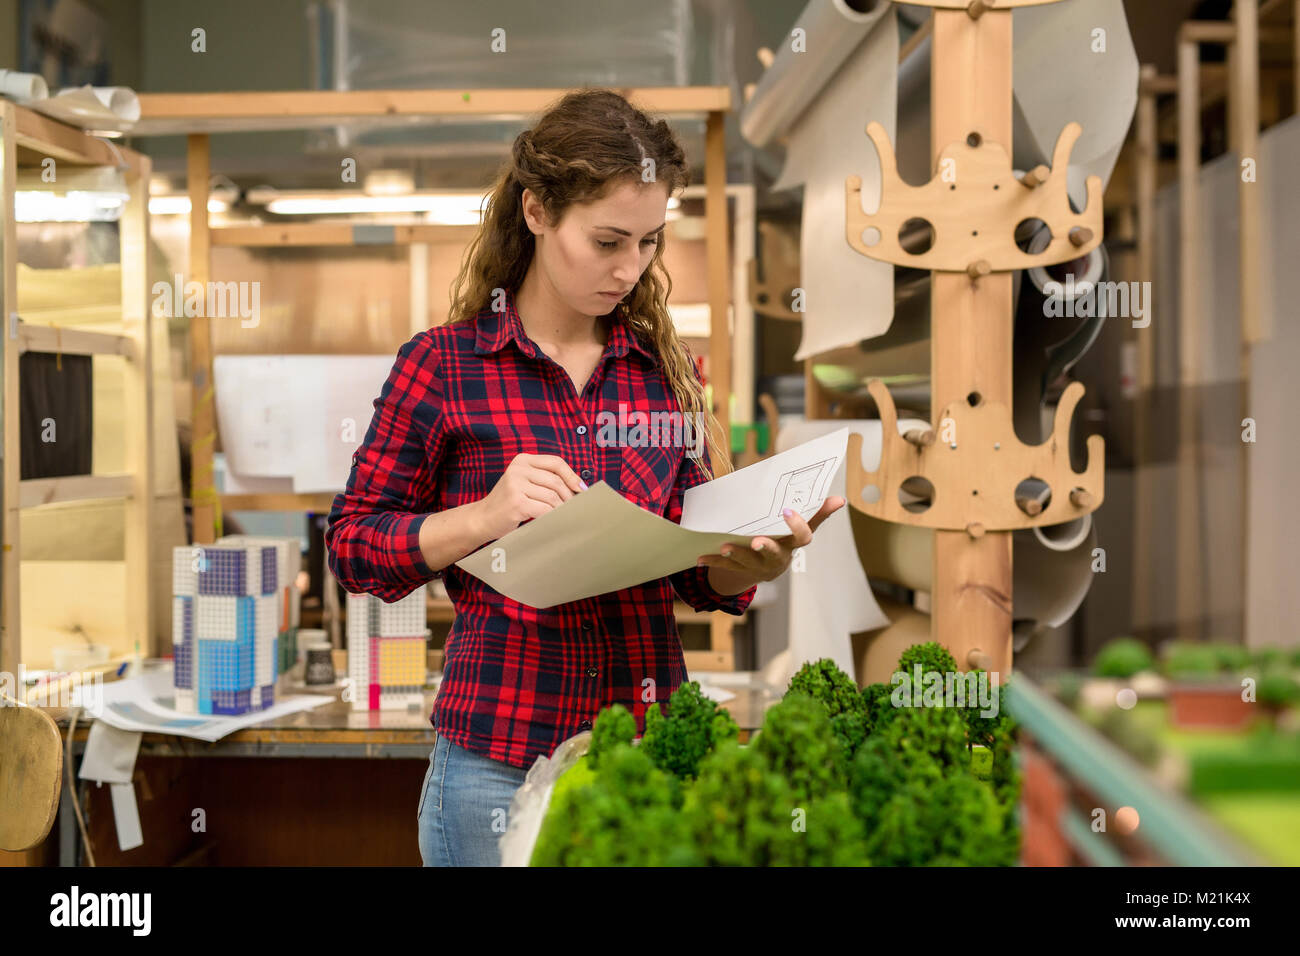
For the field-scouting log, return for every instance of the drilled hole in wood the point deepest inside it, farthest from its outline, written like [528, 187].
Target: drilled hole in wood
[974, 140]
[871, 494]
[916, 236]
[973, 399]
[1033, 495]
[916, 494]
[1026, 232]
[870, 236]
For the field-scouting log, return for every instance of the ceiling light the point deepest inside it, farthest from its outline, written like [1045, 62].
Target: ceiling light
[443, 207]
[89, 194]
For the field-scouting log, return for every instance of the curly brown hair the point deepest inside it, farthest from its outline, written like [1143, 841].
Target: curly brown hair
[585, 146]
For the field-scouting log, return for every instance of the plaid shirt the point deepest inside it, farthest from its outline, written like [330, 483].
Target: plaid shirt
[461, 401]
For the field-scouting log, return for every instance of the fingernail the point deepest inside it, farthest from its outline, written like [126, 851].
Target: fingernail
[726, 554]
[582, 484]
[787, 512]
[757, 545]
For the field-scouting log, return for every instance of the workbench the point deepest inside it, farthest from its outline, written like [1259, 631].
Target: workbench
[365, 777]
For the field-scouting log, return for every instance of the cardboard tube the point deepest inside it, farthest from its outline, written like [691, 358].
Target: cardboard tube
[22, 87]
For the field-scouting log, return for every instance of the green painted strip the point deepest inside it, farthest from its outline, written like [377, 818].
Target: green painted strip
[1173, 827]
[1094, 847]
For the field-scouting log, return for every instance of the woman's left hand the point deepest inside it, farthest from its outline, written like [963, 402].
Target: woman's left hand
[768, 558]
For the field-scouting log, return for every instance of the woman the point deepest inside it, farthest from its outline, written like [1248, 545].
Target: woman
[558, 315]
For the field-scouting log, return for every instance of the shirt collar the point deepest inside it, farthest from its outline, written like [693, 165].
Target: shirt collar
[496, 329]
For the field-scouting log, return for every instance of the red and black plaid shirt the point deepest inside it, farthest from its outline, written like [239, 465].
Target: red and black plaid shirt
[461, 401]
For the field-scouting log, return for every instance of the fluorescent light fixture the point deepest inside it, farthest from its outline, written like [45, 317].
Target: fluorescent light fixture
[179, 205]
[93, 194]
[446, 208]
[71, 206]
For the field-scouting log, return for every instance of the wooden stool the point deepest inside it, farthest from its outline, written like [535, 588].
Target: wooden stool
[31, 771]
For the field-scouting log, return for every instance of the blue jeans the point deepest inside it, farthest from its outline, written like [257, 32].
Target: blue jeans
[464, 806]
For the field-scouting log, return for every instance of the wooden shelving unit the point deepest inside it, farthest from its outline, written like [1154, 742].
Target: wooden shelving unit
[26, 140]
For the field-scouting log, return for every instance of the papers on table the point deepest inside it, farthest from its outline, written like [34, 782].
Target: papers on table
[598, 541]
[145, 704]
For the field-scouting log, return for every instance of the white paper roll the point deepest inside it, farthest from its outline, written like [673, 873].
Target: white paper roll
[1074, 62]
[1065, 536]
[104, 107]
[829, 32]
[1060, 73]
[822, 99]
[22, 87]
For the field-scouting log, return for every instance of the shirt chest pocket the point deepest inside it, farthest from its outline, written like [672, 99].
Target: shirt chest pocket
[646, 476]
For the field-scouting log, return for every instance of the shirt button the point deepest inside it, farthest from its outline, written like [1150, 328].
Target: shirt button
[586, 725]
[586, 474]
[582, 429]
[591, 671]
[586, 625]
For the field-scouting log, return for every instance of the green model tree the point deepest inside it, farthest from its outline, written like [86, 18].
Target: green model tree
[742, 812]
[798, 743]
[1122, 657]
[932, 656]
[628, 815]
[693, 726]
[848, 709]
[614, 725]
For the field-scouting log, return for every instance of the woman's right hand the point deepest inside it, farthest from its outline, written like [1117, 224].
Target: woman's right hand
[530, 486]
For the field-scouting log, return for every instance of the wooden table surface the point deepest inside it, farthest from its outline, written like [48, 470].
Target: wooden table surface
[336, 721]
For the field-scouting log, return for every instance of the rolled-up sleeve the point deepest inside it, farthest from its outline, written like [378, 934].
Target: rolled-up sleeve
[372, 537]
[692, 584]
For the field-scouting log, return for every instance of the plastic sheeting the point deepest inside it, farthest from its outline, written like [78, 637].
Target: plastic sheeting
[560, 43]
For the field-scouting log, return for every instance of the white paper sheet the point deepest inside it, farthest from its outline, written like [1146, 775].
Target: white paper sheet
[110, 754]
[577, 536]
[126, 816]
[1074, 61]
[848, 296]
[344, 392]
[716, 694]
[92, 107]
[296, 416]
[144, 704]
[750, 501]
[831, 599]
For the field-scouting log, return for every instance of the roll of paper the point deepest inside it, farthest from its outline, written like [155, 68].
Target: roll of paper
[1073, 61]
[93, 107]
[821, 91]
[22, 87]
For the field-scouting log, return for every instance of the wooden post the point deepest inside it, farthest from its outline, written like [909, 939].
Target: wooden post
[1243, 115]
[970, 339]
[1189, 545]
[203, 495]
[418, 259]
[1146, 167]
[139, 514]
[11, 613]
[715, 217]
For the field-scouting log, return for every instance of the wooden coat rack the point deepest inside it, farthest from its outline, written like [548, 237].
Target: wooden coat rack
[973, 203]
